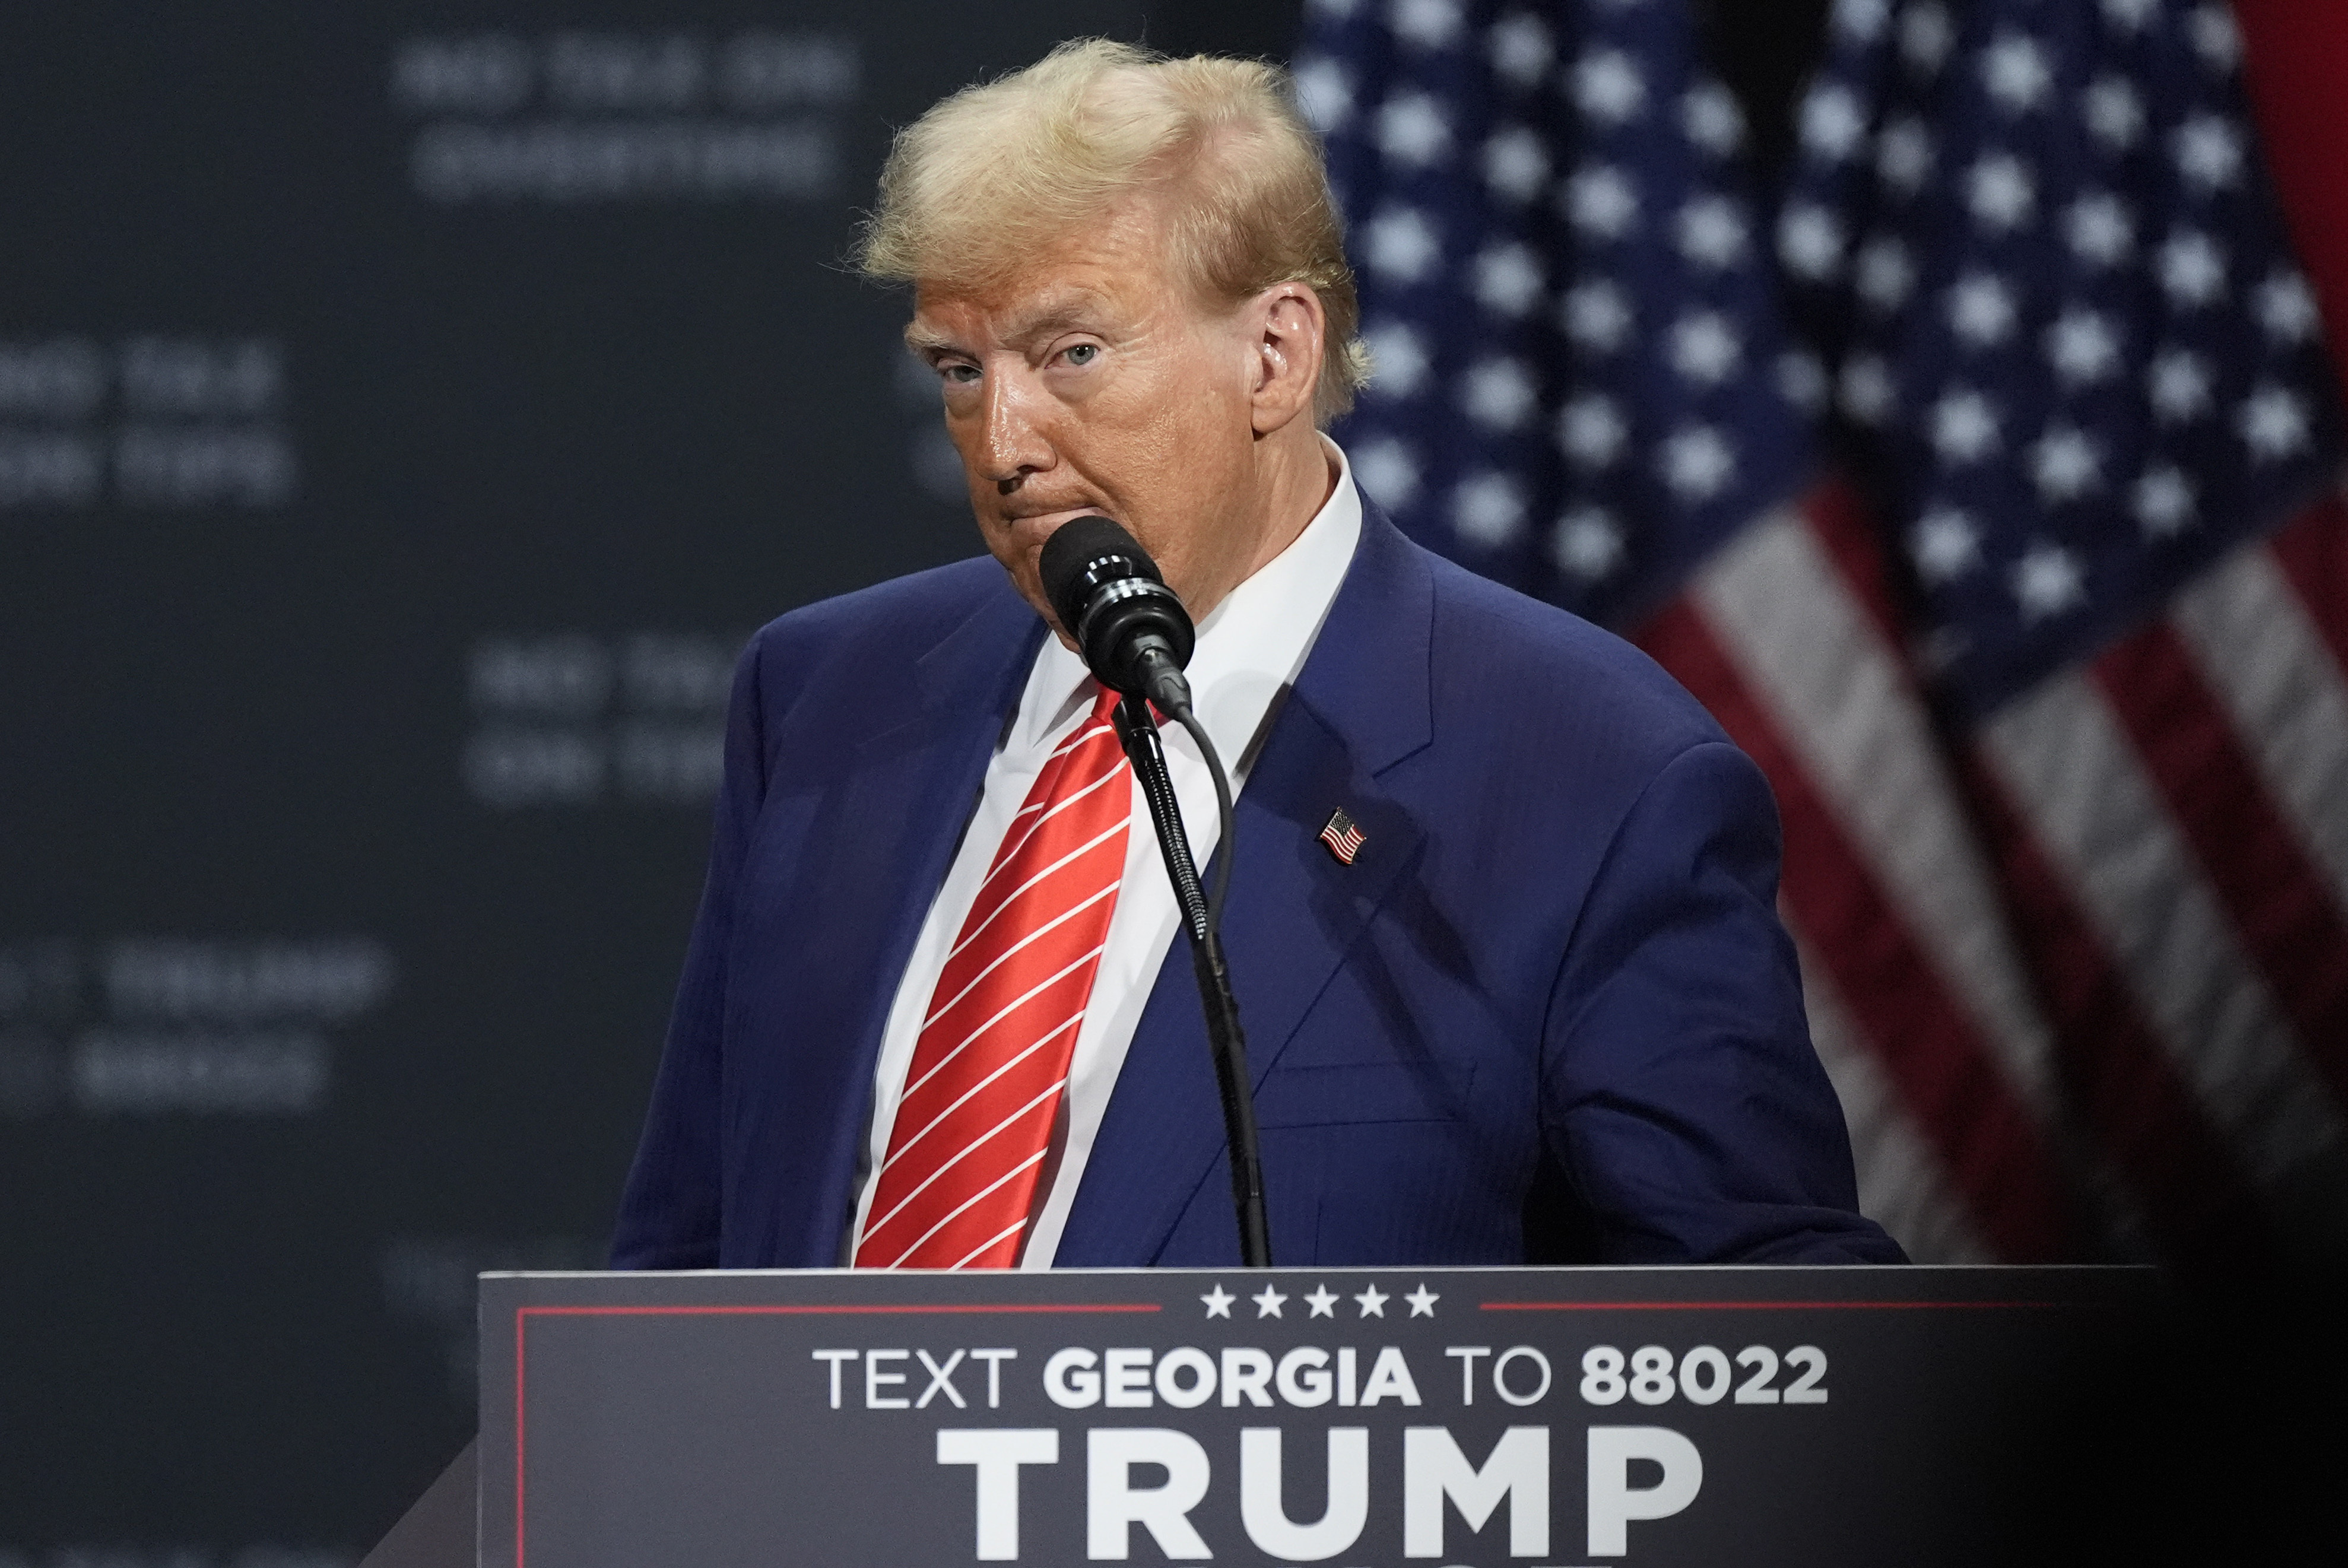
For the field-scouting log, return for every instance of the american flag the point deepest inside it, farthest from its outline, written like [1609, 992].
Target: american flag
[1343, 837]
[1982, 482]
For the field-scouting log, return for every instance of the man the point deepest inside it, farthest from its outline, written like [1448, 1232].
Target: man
[1501, 912]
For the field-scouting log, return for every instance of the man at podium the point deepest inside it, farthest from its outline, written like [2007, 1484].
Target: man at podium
[1501, 912]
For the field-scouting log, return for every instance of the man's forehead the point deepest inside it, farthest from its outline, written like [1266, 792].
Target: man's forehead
[1108, 270]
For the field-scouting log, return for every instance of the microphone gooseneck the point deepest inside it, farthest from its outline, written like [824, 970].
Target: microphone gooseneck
[1135, 636]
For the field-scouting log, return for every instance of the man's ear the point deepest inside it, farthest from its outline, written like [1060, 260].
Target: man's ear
[1288, 325]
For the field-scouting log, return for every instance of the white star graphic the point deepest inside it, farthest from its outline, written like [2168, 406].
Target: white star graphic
[1324, 93]
[1904, 155]
[2274, 423]
[1388, 470]
[2164, 503]
[1697, 463]
[1323, 1301]
[2066, 465]
[1402, 244]
[2180, 386]
[1926, 34]
[1515, 164]
[1832, 123]
[1963, 426]
[1587, 544]
[1866, 391]
[1374, 1302]
[1591, 430]
[1607, 86]
[2192, 269]
[1267, 1302]
[1981, 309]
[1946, 544]
[2286, 308]
[1508, 280]
[1600, 202]
[1422, 1302]
[2083, 347]
[1703, 347]
[1521, 50]
[2115, 112]
[2099, 228]
[1413, 131]
[1430, 23]
[1885, 274]
[1802, 379]
[1999, 191]
[1488, 509]
[2216, 37]
[1596, 314]
[1499, 394]
[2208, 152]
[1710, 117]
[2014, 71]
[1809, 241]
[1399, 358]
[2047, 581]
[1218, 1301]
[1711, 232]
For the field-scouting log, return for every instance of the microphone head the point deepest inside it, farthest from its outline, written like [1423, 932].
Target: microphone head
[1110, 598]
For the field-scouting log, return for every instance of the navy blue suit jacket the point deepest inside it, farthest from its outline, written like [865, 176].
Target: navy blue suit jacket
[1547, 1015]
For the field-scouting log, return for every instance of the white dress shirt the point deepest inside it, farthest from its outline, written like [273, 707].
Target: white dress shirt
[1249, 650]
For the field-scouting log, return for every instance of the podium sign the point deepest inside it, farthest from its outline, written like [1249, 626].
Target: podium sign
[1467, 1417]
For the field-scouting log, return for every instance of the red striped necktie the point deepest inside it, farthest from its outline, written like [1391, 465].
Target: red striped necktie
[975, 1123]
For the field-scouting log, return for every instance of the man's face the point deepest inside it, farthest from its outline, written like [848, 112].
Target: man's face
[1095, 381]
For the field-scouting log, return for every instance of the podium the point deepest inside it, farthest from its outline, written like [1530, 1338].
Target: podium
[1460, 1417]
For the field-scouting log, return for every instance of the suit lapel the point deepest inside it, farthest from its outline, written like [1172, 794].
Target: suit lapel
[1359, 705]
[875, 849]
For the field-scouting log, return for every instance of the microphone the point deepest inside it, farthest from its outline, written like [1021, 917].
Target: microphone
[1132, 631]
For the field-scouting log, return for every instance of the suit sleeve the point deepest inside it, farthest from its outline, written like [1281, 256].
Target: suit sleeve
[1680, 1091]
[670, 1210]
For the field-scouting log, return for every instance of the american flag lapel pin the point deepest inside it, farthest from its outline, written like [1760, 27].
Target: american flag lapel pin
[1343, 836]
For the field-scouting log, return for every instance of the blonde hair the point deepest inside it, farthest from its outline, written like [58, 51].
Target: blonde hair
[977, 184]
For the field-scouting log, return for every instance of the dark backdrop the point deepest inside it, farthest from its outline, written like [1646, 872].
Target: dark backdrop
[405, 410]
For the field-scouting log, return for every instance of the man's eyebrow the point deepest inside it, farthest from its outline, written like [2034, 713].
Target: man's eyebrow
[1053, 316]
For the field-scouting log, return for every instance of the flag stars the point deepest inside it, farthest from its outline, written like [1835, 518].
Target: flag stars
[2000, 192]
[2179, 384]
[1488, 510]
[2099, 229]
[2083, 347]
[2015, 72]
[1325, 94]
[1703, 347]
[1865, 388]
[1982, 310]
[1422, 1302]
[1600, 202]
[2286, 308]
[1963, 426]
[1323, 1301]
[1399, 358]
[2163, 503]
[1508, 280]
[1592, 431]
[1608, 88]
[2215, 36]
[1268, 1302]
[1499, 394]
[1597, 315]
[1428, 24]
[2114, 112]
[1903, 156]
[1832, 124]
[1926, 36]
[1515, 165]
[1521, 50]
[1862, 20]
[1711, 232]
[1402, 244]
[1809, 241]
[2130, 15]
[1802, 379]
[2047, 581]
[1945, 544]
[1218, 1301]
[2273, 423]
[1413, 131]
[1712, 120]
[1885, 274]
[2066, 465]
[1697, 463]
[1388, 469]
[1373, 1301]
[2192, 269]
[1587, 544]
[2208, 153]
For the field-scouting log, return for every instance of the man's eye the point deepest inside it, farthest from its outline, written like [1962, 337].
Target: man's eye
[958, 375]
[1083, 352]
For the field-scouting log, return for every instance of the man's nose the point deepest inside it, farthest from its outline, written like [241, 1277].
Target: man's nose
[1010, 442]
